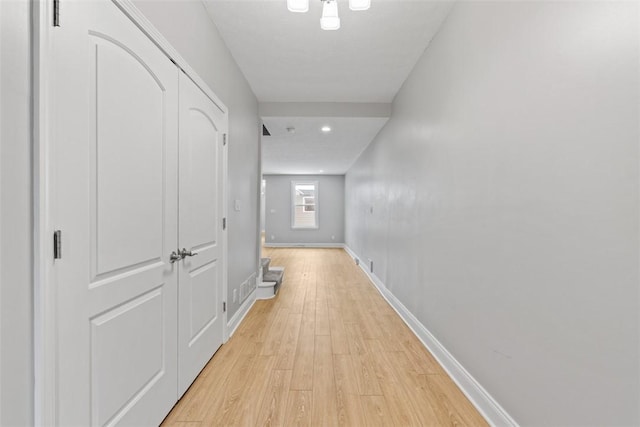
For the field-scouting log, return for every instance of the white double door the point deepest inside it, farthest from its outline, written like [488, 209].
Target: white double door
[137, 160]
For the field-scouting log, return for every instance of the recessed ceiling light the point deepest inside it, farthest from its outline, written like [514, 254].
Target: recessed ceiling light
[321, 170]
[326, 129]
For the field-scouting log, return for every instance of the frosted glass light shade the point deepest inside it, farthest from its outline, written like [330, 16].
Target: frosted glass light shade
[359, 4]
[298, 5]
[330, 19]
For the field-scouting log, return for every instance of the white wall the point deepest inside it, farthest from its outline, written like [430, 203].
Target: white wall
[189, 29]
[505, 203]
[330, 210]
[16, 312]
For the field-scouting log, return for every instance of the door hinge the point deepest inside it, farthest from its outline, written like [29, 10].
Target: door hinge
[57, 244]
[224, 223]
[56, 13]
[224, 139]
[224, 306]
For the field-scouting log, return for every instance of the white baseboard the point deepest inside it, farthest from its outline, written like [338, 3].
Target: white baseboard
[237, 318]
[479, 397]
[304, 245]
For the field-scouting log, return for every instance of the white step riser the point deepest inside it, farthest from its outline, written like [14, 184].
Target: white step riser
[266, 290]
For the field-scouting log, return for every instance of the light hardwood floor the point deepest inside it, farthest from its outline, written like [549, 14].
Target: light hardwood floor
[327, 351]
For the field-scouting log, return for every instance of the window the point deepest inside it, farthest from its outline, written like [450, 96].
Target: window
[309, 204]
[304, 207]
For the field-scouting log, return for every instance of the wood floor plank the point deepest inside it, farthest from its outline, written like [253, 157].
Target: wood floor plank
[274, 405]
[339, 339]
[376, 411]
[183, 424]
[362, 362]
[298, 300]
[287, 350]
[422, 361]
[194, 404]
[350, 411]
[299, 408]
[270, 311]
[452, 402]
[322, 317]
[324, 406]
[244, 409]
[225, 396]
[406, 384]
[277, 329]
[397, 394]
[302, 378]
[327, 350]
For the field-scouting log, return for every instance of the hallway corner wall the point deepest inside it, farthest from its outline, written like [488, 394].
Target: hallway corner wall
[500, 204]
[190, 30]
[278, 230]
[16, 247]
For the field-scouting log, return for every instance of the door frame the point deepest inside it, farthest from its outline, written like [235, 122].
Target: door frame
[44, 283]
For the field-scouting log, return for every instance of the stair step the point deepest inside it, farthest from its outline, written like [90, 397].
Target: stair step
[264, 262]
[266, 290]
[266, 284]
[273, 276]
[271, 279]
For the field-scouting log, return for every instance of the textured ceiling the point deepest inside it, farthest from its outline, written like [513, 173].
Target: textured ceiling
[309, 151]
[287, 58]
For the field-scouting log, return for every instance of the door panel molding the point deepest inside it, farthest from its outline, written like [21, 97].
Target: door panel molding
[44, 200]
[202, 320]
[147, 27]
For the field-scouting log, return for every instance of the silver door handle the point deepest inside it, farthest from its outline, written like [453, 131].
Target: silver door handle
[175, 257]
[185, 253]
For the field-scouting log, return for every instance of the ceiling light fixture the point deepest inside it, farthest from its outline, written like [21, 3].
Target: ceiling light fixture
[330, 19]
[326, 129]
[298, 5]
[359, 4]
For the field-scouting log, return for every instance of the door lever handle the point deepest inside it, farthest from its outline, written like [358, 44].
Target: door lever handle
[185, 253]
[174, 257]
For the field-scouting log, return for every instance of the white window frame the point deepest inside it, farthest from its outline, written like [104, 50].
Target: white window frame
[293, 205]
